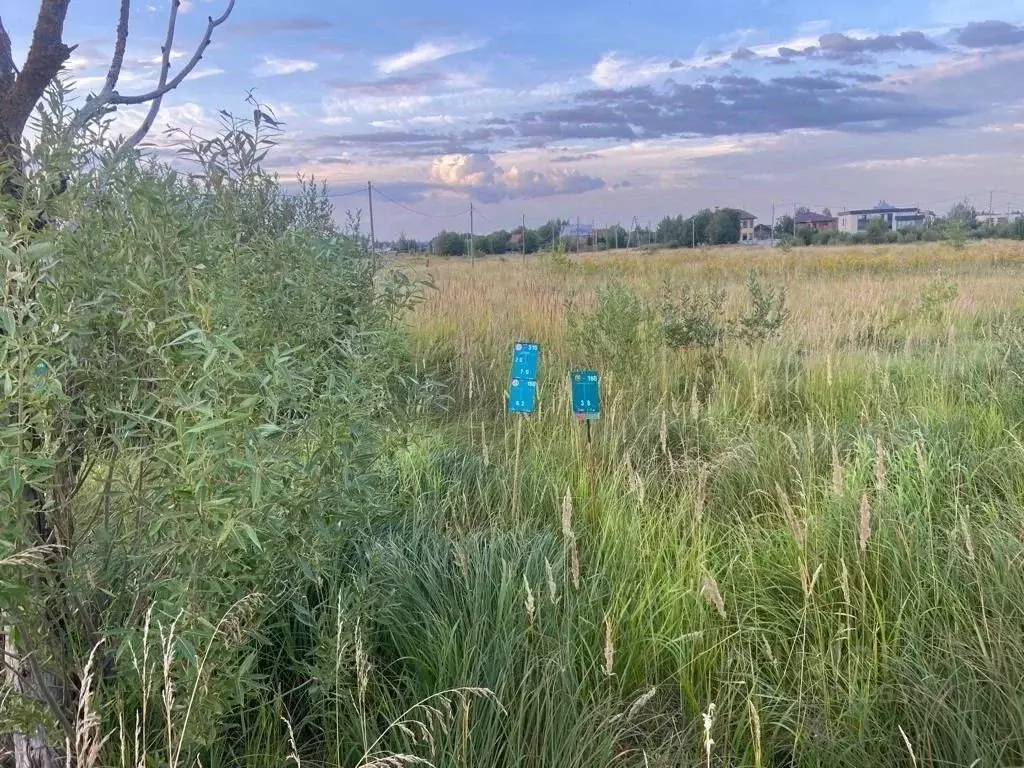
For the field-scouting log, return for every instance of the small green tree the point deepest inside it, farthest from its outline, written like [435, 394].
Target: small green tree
[783, 226]
[877, 231]
[449, 244]
[724, 227]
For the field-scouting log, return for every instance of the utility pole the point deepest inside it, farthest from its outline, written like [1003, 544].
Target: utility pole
[693, 233]
[773, 223]
[369, 193]
[794, 219]
[472, 237]
[990, 208]
[524, 237]
[617, 235]
[577, 235]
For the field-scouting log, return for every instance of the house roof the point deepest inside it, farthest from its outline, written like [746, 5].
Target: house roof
[516, 238]
[745, 215]
[810, 217]
[880, 207]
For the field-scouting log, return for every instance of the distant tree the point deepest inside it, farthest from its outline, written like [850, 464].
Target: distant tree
[806, 235]
[963, 213]
[724, 227]
[617, 237]
[670, 231]
[826, 212]
[784, 226]
[695, 228]
[450, 244]
[497, 242]
[482, 245]
[533, 241]
[547, 233]
[406, 245]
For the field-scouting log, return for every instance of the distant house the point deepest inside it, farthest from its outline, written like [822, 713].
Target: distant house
[895, 217]
[995, 219]
[747, 222]
[819, 222]
[762, 232]
[515, 241]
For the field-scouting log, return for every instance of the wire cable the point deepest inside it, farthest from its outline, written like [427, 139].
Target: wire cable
[420, 213]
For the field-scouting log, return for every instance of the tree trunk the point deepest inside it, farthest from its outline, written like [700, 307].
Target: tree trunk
[31, 750]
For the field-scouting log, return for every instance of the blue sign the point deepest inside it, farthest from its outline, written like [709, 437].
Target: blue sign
[586, 394]
[522, 395]
[522, 385]
[524, 360]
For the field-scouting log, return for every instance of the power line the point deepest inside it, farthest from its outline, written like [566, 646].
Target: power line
[419, 213]
[335, 195]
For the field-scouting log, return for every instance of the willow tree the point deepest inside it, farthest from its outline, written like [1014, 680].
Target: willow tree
[21, 90]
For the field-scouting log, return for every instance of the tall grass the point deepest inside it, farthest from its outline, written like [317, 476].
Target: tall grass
[805, 551]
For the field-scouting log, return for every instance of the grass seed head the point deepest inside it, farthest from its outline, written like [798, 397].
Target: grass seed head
[865, 522]
[709, 587]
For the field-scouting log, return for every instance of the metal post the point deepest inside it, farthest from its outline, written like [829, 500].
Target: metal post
[472, 237]
[524, 237]
[373, 241]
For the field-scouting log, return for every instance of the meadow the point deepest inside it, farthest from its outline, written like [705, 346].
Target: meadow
[795, 547]
[262, 502]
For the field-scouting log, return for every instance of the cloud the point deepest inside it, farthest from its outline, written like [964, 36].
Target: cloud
[409, 83]
[990, 34]
[1004, 128]
[276, 26]
[839, 46]
[950, 160]
[843, 46]
[271, 66]
[576, 158]
[485, 180]
[425, 53]
[729, 105]
[613, 71]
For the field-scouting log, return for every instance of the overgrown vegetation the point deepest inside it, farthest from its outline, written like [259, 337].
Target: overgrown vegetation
[793, 539]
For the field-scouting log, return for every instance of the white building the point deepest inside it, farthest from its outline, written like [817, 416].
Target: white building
[858, 220]
[995, 219]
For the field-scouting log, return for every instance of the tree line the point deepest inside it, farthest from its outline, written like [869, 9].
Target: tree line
[719, 226]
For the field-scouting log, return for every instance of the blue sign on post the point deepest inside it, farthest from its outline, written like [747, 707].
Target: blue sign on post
[524, 360]
[522, 386]
[522, 396]
[586, 394]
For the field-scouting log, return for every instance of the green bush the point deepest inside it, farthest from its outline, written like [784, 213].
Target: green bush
[693, 318]
[766, 314]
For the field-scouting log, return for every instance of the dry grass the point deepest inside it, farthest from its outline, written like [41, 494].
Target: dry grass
[832, 291]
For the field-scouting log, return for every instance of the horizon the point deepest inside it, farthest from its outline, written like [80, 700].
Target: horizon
[555, 113]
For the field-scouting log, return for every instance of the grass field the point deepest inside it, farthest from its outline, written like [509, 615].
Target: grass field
[798, 550]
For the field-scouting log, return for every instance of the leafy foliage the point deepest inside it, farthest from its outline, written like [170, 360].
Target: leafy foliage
[765, 316]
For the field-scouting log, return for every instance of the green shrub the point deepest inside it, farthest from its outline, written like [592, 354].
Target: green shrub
[766, 314]
[693, 318]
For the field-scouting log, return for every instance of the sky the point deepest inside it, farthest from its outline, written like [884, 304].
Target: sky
[607, 111]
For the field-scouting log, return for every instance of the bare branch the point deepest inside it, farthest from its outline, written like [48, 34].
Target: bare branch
[108, 97]
[122, 42]
[95, 104]
[165, 68]
[160, 90]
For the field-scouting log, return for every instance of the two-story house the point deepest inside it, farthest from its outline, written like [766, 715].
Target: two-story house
[895, 217]
[747, 222]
